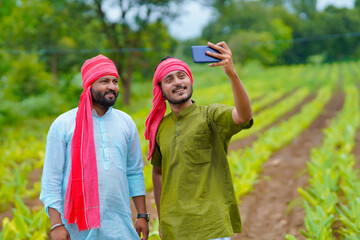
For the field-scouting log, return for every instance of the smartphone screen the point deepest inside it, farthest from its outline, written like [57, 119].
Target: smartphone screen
[200, 56]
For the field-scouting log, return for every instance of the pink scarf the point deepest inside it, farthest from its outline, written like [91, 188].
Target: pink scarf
[159, 105]
[82, 194]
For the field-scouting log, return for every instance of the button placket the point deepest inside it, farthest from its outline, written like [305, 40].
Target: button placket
[104, 140]
[178, 128]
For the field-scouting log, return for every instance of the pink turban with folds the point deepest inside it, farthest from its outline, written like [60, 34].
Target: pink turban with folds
[82, 195]
[159, 105]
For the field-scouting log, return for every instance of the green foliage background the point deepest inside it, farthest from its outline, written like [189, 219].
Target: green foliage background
[43, 44]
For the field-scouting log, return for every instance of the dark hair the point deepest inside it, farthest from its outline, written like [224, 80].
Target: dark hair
[163, 59]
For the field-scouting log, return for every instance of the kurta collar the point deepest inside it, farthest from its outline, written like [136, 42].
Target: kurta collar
[94, 113]
[184, 112]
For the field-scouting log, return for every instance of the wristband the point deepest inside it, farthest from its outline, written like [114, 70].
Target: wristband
[144, 215]
[55, 226]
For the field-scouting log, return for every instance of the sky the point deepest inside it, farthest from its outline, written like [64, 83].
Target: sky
[196, 16]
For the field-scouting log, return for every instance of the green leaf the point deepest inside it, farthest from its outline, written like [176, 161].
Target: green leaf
[21, 207]
[290, 237]
[307, 197]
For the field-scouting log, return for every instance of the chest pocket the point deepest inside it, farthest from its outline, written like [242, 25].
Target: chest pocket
[199, 148]
[202, 141]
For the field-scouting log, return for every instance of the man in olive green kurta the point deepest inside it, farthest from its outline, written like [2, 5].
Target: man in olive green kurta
[192, 181]
[197, 197]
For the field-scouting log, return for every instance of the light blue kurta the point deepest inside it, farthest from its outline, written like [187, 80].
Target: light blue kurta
[119, 166]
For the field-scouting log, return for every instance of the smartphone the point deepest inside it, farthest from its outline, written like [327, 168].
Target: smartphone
[200, 56]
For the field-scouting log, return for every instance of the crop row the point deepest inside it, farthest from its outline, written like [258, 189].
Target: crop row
[246, 164]
[20, 154]
[333, 194]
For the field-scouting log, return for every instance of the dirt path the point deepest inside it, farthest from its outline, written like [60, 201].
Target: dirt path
[273, 209]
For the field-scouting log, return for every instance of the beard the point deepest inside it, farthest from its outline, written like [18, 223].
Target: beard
[178, 101]
[99, 98]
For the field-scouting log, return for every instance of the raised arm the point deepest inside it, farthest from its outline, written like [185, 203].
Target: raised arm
[242, 112]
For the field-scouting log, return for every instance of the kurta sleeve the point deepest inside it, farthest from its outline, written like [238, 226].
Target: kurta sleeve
[135, 164]
[220, 116]
[156, 158]
[52, 177]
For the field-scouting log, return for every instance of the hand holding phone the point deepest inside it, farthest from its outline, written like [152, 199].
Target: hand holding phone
[200, 56]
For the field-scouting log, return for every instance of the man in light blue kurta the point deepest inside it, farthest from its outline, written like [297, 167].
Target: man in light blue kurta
[119, 165]
[118, 160]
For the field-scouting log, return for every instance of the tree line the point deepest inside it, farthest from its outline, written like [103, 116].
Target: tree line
[286, 31]
[44, 43]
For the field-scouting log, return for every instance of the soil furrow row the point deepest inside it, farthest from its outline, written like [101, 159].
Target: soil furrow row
[273, 209]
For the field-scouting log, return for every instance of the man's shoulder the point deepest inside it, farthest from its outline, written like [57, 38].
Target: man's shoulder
[210, 106]
[121, 114]
[210, 109]
[165, 119]
[68, 116]
[65, 121]
[167, 116]
[163, 123]
[217, 107]
[216, 112]
[123, 117]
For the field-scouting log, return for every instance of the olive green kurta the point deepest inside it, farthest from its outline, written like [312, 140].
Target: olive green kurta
[197, 200]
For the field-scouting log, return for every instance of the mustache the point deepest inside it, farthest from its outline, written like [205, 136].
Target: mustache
[110, 91]
[178, 87]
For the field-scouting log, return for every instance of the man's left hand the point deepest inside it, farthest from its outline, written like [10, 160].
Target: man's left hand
[142, 226]
[225, 57]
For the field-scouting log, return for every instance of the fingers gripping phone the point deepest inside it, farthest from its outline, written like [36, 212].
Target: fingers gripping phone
[200, 56]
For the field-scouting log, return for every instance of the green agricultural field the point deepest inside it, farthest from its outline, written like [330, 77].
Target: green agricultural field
[295, 171]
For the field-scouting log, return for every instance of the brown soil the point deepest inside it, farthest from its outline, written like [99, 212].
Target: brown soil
[7, 213]
[34, 176]
[273, 209]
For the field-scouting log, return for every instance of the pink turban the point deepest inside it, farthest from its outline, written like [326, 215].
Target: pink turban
[82, 195]
[159, 106]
